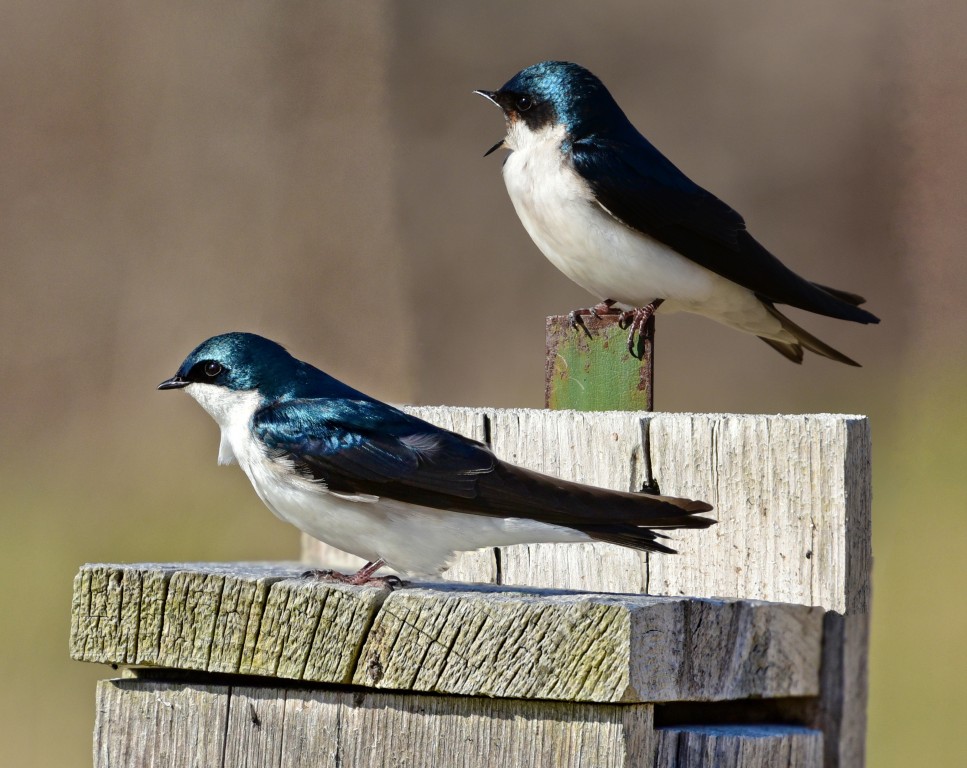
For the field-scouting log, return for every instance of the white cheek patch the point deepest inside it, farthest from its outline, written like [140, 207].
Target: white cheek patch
[232, 411]
[521, 138]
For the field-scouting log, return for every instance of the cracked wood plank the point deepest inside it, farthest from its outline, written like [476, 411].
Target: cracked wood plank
[259, 619]
[606, 449]
[793, 500]
[605, 648]
[142, 722]
[486, 641]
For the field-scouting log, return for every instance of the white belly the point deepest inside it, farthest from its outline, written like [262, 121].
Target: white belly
[413, 539]
[607, 258]
[416, 540]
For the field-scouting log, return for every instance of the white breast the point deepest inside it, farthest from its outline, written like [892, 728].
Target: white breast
[413, 539]
[602, 255]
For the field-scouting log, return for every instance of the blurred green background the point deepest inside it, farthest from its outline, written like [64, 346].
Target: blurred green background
[312, 171]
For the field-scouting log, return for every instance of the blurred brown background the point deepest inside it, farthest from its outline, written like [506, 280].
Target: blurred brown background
[312, 171]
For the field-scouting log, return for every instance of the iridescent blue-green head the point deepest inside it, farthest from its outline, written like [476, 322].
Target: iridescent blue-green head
[235, 375]
[556, 93]
[247, 364]
[238, 362]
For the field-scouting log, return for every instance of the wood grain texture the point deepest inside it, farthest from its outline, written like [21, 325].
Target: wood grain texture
[738, 746]
[604, 449]
[842, 704]
[159, 725]
[144, 723]
[591, 647]
[791, 495]
[488, 641]
[257, 619]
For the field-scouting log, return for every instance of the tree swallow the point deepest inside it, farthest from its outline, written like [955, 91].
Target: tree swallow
[614, 215]
[369, 479]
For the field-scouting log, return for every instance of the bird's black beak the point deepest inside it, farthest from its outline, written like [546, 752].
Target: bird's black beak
[495, 147]
[491, 96]
[175, 382]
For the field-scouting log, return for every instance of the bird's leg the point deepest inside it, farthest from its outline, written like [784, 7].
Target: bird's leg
[636, 319]
[363, 576]
[605, 307]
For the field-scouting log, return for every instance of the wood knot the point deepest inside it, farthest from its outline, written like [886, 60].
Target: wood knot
[374, 670]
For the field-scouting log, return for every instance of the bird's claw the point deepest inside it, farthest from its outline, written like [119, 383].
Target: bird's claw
[636, 321]
[389, 581]
[316, 574]
[605, 307]
[364, 576]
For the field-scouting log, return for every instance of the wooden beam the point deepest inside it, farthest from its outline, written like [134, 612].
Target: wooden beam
[259, 619]
[513, 644]
[582, 647]
[181, 725]
[792, 497]
[738, 746]
[159, 724]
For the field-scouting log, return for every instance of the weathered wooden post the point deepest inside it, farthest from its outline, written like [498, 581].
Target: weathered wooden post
[589, 368]
[748, 648]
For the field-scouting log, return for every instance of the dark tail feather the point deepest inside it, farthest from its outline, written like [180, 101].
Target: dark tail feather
[850, 298]
[641, 537]
[617, 517]
[822, 300]
[638, 538]
[804, 339]
[849, 312]
[787, 350]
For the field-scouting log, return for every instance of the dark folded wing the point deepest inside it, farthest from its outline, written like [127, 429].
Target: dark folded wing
[359, 446]
[370, 448]
[640, 187]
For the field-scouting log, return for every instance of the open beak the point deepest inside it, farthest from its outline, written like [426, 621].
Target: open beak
[495, 147]
[175, 382]
[491, 97]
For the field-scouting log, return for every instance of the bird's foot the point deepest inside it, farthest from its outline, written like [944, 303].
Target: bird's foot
[636, 321]
[605, 307]
[364, 576]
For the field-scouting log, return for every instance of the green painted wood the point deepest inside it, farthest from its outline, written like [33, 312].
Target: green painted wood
[592, 370]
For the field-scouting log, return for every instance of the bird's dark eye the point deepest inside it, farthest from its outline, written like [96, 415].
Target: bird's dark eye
[524, 103]
[212, 369]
